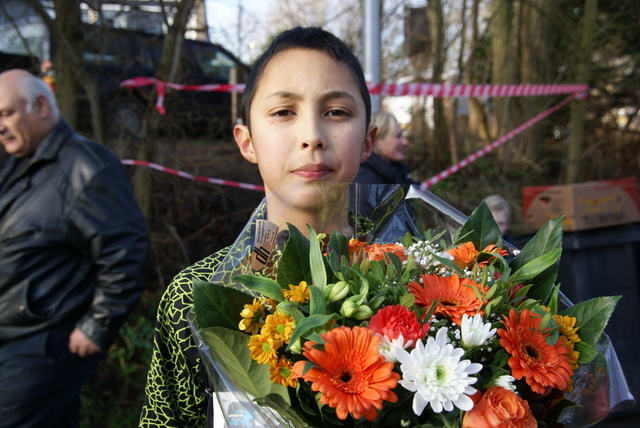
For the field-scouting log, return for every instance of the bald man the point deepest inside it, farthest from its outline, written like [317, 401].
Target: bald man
[73, 252]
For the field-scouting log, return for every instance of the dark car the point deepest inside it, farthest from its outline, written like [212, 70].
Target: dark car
[113, 55]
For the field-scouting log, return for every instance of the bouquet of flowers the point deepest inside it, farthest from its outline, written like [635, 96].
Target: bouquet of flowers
[420, 317]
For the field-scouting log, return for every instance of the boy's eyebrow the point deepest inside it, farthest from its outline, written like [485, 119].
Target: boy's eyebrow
[328, 96]
[339, 94]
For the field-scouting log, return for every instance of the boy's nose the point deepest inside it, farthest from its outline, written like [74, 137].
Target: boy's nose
[312, 136]
[315, 144]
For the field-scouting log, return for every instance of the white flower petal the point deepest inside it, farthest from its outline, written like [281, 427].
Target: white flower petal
[436, 374]
[474, 331]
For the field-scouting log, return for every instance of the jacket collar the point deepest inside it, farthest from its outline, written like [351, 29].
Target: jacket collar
[46, 152]
[50, 146]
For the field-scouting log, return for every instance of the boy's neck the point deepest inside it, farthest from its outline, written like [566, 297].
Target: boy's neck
[328, 211]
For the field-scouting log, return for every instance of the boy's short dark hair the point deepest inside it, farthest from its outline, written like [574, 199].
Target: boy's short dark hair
[307, 38]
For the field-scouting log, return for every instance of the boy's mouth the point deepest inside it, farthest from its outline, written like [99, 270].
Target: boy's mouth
[313, 171]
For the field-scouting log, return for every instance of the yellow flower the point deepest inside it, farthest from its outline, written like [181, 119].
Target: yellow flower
[253, 316]
[282, 373]
[264, 348]
[568, 327]
[572, 355]
[297, 293]
[279, 326]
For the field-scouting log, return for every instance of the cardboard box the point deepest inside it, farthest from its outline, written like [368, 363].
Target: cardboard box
[589, 205]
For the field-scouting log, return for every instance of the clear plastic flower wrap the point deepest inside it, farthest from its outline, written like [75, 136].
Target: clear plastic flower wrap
[268, 381]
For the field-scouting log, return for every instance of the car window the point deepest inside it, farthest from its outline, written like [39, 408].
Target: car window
[25, 43]
[213, 63]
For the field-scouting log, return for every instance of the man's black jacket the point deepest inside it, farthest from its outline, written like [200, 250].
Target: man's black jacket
[73, 242]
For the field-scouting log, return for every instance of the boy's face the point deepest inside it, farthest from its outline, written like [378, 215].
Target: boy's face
[308, 122]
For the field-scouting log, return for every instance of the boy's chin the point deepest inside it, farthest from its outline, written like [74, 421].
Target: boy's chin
[310, 196]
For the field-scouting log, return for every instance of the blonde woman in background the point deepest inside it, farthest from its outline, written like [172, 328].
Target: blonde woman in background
[386, 166]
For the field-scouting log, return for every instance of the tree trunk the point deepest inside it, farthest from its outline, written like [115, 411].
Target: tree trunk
[71, 75]
[69, 45]
[477, 115]
[579, 107]
[440, 133]
[504, 44]
[534, 68]
[167, 70]
[455, 120]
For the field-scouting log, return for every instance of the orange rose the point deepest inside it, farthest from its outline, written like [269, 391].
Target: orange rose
[377, 251]
[499, 407]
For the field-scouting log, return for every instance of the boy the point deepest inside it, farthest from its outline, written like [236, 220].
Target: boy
[306, 112]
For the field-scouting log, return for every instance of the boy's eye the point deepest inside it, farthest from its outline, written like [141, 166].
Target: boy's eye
[336, 112]
[283, 113]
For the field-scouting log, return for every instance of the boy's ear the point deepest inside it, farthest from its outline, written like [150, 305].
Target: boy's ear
[368, 143]
[243, 140]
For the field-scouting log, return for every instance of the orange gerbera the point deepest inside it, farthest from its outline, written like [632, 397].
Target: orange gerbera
[348, 371]
[378, 251]
[355, 245]
[466, 255]
[454, 296]
[355, 250]
[542, 365]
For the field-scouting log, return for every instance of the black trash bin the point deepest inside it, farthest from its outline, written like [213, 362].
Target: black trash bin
[606, 262]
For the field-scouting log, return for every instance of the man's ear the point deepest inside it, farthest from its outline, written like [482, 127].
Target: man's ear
[41, 107]
[243, 140]
[368, 143]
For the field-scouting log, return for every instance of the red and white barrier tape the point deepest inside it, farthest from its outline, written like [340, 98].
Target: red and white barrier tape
[483, 151]
[425, 185]
[191, 176]
[474, 91]
[414, 89]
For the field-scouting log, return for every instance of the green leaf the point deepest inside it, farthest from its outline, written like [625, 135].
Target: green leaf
[547, 239]
[316, 261]
[587, 352]
[535, 267]
[407, 300]
[218, 306]
[308, 324]
[480, 228]
[316, 304]
[339, 243]
[265, 286]
[294, 265]
[592, 316]
[233, 352]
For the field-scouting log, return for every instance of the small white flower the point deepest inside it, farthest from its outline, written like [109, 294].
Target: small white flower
[437, 376]
[474, 331]
[506, 382]
[387, 347]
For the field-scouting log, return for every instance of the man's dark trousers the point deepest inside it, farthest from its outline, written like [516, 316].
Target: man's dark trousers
[40, 380]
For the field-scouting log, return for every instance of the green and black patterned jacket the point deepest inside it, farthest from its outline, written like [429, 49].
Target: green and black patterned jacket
[175, 391]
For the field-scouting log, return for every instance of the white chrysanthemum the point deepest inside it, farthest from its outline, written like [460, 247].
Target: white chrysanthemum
[387, 347]
[474, 331]
[506, 382]
[437, 376]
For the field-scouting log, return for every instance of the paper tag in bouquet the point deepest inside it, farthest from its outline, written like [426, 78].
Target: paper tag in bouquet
[265, 239]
